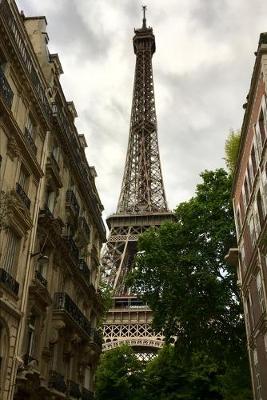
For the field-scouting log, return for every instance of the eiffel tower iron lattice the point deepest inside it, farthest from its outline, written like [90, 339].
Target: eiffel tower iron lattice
[142, 204]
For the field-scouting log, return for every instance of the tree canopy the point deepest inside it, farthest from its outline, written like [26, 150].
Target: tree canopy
[231, 150]
[181, 273]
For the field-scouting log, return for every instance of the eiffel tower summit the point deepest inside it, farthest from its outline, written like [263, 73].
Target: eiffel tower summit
[142, 204]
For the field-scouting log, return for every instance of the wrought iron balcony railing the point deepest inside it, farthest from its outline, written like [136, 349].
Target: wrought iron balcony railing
[74, 251]
[56, 381]
[73, 389]
[47, 212]
[63, 302]
[24, 198]
[25, 58]
[84, 270]
[40, 278]
[5, 90]
[30, 141]
[72, 203]
[7, 280]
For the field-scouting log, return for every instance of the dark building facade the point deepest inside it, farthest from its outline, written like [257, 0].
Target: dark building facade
[250, 207]
[51, 230]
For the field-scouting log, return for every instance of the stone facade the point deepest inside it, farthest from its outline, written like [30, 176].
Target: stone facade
[250, 207]
[51, 230]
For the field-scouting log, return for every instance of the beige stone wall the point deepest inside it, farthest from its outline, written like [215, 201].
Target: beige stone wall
[53, 230]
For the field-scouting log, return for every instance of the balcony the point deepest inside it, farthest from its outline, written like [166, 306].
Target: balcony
[73, 249]
[53, 170]
[87, 395]
[30, 141]
[56, 381]
[23, 197]
[64, 304]
[40, 278]
[8, 281]
[73, 389]
[72, 204]
[5, 90]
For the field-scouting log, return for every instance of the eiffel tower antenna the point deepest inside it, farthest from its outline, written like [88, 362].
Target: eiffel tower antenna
[142, 204]
[144, 16]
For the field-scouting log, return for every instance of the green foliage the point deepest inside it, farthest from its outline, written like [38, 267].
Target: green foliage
[119, 375]
[231, 150]
[181, 273]
[105, 299]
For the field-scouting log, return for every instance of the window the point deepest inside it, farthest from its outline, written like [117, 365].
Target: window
[250, 308]
[265, 341]
[55, 153]
[260, 291]
[30, 126]
[23, 178]
[260, 208]
[246, 313]
[246, 190]
[242, 254]
[31, 335]
[262, 128]
[257, 375]
[253, 162]
[51, 199]
[250, 175]
[11, 252]
[252, 229]
[259, 140]
[238, 222]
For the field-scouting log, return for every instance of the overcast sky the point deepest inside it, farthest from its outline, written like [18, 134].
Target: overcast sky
[202, 71]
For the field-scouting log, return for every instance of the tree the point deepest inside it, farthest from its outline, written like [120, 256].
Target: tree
[181, 273]
[119, 375]
[231, 150]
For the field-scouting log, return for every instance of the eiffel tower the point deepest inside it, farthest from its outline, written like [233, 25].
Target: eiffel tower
[142, 204]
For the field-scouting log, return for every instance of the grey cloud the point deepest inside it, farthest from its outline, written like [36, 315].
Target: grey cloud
[196, 104]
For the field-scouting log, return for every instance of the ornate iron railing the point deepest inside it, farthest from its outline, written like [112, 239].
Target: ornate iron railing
[5, 90]
[56, 381]
[12, 27]
[72, 203]
[74, 251]
[24, 198]
[73, 389]
[40, 278]
[63, 302]
[7, 280]
[47, 212]
[87, 395]
[30, 140]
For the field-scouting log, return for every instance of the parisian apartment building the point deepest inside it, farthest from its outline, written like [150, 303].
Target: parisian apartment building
[250, 207]
[51, 229]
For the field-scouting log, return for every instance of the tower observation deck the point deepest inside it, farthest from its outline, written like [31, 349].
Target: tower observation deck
[142, 204]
